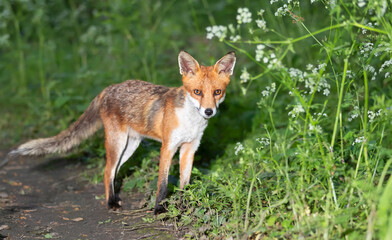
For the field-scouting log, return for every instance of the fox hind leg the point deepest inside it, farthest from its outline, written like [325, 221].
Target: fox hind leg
[119, 148]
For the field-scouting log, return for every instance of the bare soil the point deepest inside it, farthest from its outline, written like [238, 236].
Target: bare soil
[44, 199]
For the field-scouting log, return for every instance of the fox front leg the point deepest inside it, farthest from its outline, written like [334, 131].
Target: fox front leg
[164, 166]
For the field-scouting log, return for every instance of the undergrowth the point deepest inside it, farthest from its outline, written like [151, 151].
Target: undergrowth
[316, 163]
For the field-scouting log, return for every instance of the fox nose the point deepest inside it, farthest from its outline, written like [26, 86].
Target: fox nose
[208, 111]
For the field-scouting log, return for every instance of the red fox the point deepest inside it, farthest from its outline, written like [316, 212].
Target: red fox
[133, 110]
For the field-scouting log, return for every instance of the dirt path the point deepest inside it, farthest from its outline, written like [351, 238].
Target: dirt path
[43, 199]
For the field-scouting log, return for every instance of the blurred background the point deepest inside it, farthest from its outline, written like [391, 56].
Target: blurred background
[55, 56]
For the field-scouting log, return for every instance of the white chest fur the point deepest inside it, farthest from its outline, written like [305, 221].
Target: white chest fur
[191, 125]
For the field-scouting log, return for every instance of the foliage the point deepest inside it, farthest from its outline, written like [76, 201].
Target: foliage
[315, 162]
[306, 151]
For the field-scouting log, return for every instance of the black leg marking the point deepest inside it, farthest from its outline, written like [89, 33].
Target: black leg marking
[113, 201]
[160, 196]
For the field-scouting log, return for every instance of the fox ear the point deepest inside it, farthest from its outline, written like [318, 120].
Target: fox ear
[187, 63]
[226, 64]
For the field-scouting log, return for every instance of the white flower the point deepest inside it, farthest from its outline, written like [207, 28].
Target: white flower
[238, 148]
[244, 16]
[366, 49]
[296, 110]
[354, 114]
[261, 24]
[244, 76]
[281, 11]
[263, 141]
[273, 87]
[361, 3]
[296, 73]
[385, 64]
[269, 90]
[350, 74]
[316, 128]
[309, 67]
[320, 114]
[371, 115]
[261, 12]
[216, 31]
[322, 66]
[359, 140]
[259, 52]
[235, 38]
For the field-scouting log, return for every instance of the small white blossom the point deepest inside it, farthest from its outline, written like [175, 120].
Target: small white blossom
[359, 140]
[261, 12]
[385, 65]
[269, 90]
[244, 76]
[320, 114]
[263, 141]
[238, 148]
[261, 24]
[244, 16]
[316, 128]
[296, 73]
[350, 74]
[235, 38]
[259, 52]
[216, 31]
[281, 11]
[371, 116]
[361, 3]
[354, 114]
[296, 110]
[366, 49]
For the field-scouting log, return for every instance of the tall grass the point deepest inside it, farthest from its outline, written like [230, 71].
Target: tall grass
[315, 162]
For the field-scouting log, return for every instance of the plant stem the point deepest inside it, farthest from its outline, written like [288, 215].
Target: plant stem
[365, 119]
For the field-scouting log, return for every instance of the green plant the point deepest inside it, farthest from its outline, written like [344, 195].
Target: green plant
[314, 163]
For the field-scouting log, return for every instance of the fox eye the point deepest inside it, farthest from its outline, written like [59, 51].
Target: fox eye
[197, 92]
[217, 92]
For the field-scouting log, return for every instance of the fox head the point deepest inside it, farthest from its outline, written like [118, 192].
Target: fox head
[206, 86]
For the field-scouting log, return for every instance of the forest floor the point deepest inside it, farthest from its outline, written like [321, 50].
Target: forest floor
[44, 199]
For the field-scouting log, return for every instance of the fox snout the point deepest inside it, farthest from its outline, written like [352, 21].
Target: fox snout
[207, 112]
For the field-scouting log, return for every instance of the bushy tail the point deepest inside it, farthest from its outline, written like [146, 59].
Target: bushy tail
[84, 127]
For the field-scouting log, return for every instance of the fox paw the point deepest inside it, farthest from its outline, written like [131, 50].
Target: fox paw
[115, 205]
[159, 209]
